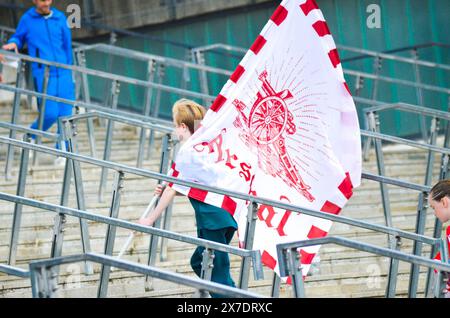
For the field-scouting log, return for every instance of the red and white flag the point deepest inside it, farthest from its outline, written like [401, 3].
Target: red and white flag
[284, 127]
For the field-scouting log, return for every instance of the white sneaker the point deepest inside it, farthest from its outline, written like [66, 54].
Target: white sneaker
[60, 161]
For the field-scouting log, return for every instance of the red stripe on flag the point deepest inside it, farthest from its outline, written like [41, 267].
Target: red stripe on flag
[321, 28]
[308, 6]
[258, 44]
[279, 15]
[315, 232]
[347, 88]
[175, 173]
[280, 228]
[229, 204]
[268, 260]
[197, 194]
[330, 207]
[305, 257]
[334, 57]
[346, 186]
[218, 103]
[237, 73]
[289, 279]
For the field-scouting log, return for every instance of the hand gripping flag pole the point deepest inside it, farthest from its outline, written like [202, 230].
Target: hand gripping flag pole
[147, 211]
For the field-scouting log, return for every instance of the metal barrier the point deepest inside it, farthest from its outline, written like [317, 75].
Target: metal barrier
[254, 201]
[372, 118]
[360, 76]
[113, 100]
[290, 262]
[157, 67]
[114, 222]
[74, 164]
[44, 276]
[114, 95]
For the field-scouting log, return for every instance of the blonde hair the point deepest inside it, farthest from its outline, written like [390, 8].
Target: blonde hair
[188, 112]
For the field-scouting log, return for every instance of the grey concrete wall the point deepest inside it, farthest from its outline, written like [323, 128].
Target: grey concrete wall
[132, 13]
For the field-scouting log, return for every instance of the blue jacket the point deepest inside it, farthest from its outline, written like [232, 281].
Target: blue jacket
[47, 38]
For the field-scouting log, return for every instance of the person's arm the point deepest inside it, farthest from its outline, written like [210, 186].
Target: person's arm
[166, 197]
[67, 42]
[17, 40]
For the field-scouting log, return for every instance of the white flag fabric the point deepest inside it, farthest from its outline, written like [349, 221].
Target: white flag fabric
[283, 127]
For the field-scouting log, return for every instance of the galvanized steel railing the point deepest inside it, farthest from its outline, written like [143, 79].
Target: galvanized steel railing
[254, 201]
[290, 262]
[44, 275]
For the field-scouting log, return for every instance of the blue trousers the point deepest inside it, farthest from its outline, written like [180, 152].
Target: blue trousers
[221, 269]
[59, 85]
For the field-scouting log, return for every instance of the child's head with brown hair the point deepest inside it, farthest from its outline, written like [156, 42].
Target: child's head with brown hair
[439, 199]
[187, 114]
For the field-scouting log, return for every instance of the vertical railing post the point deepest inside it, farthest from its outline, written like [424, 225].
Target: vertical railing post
[442, 277]
[377, 65]
[369, 118]
[168, 148]
[296, 273]
[70, 131]
[248, 244]
[417, 246]
[17, 218]
[43, 282]
[153, 245]
[115, 90]
[381, 171]
[60, 218]
[275, 289]
[42, 108]
[419, 94]
[199, 57]
[207, 268]
[20, 82]
[422, 211]
[151, 64]
[111, 234]
[393, 271]
[81, 58]
[155, 110]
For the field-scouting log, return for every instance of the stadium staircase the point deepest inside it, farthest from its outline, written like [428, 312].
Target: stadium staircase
[342, 272]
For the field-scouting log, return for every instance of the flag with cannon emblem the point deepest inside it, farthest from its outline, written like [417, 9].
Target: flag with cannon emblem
[284, 127]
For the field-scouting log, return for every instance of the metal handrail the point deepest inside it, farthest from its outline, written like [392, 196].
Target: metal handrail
[134, 227]
[137, 55]
[368, 53]
[14, 271]
[109, 76]
[402, 49]
[410, 108]
[290, 265]
[154, 122]
[119, 118]
[30, 131]
[397, 81]
[238, 195]
[415, 144]
[48, 288]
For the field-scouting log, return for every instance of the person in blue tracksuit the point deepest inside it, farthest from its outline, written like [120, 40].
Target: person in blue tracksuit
[213, 223]
[44, 29]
